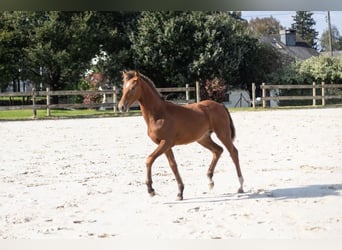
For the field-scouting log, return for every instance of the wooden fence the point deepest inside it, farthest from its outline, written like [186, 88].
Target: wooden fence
[323, 97]
[46, 95]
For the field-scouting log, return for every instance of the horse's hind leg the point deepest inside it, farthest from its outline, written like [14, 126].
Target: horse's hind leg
[227, 141]
[173, 165]
[208, 143]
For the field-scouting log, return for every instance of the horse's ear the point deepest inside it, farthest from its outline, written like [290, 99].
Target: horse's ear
[124, 72]
[136, 73]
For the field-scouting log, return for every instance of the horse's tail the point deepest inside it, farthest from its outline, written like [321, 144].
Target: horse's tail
[231, 124]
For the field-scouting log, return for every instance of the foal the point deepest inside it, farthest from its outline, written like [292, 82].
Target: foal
[169, 124]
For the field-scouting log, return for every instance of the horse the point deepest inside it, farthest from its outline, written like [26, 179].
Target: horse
[170, 124]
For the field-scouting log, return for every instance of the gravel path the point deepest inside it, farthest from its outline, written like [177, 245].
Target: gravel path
[85, 179]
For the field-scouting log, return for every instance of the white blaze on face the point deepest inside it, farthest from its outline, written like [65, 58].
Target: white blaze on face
[127, 84]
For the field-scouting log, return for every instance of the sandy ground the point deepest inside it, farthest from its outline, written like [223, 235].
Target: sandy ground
[85, 179]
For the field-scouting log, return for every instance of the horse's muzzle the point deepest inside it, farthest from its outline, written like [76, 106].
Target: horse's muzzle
[123, 107]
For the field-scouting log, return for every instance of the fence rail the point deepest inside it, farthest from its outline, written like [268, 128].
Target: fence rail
[323, 97]
[47, 94]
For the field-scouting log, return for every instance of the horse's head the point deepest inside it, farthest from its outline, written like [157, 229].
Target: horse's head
[131, 90]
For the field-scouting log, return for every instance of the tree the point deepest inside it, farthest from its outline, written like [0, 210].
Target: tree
[63, 44]
[54, 47]
[172, 47]
[163, 46]
[182, 47]
[237, 15]
[336, 39]
[264, 26]
[304, 25]
[116, 52]
[12, 58]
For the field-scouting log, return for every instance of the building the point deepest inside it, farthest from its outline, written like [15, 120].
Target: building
[290, 44]
[21, 86]
[292, 47]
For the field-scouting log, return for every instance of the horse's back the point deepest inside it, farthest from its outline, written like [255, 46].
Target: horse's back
[216, 113]
[212, 109]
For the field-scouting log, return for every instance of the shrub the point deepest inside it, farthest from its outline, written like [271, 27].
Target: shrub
[214, 89]
[93, 81]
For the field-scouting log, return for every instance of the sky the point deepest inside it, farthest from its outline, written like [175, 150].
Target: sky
[286, 18]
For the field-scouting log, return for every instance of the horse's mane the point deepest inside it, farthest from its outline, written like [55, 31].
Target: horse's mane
[131, 74]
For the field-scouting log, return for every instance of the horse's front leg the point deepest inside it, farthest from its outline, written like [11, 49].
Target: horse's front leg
[173, 165]
[162, 148]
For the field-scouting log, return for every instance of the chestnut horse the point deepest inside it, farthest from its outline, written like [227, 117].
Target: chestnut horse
[170, 124]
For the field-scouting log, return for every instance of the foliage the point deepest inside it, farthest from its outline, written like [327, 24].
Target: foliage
[55, 47]
[213, 90]
[264, 26]
[94, 81]
[318, 69]
[116, 53]
[323, 68]
[163, 46]
[267, 60]
[64, 44]
[175, 48]
[12, 63]
[336, 39]
[304, 25]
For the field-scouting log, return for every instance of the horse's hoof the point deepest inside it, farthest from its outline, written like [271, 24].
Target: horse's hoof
[179, 197]
[211, 185]
[152, 193]
[240, 190]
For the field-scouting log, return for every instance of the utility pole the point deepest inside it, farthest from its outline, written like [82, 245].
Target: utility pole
[330, 35]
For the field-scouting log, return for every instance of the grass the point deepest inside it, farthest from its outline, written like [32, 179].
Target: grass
[26, 114]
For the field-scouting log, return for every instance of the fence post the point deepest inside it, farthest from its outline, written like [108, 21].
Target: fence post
[198, 97]
[263, 95]
[323, 94]
[48, 102]
[34, 96]
[313, 94]
[253, 94]
[187, 98]
[115, 99]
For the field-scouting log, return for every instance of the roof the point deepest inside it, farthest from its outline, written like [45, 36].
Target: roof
[301, 50]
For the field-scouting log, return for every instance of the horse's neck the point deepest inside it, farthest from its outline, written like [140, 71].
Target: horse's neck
[150, 102]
